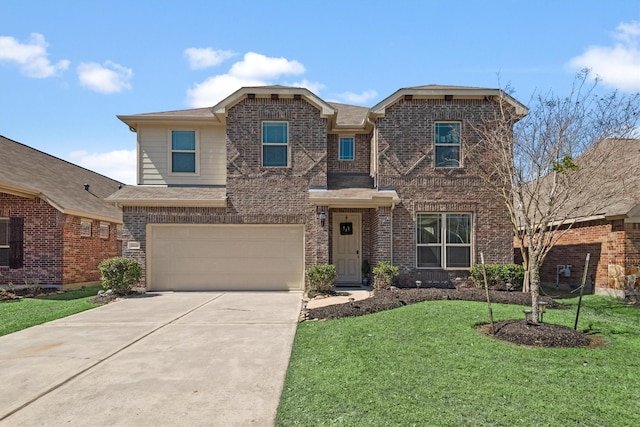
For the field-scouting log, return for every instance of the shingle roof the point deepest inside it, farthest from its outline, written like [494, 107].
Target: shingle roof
[353, 197]
[349, 115]
[613, 168]
[170, 196]
[27, 171]
[605, 185]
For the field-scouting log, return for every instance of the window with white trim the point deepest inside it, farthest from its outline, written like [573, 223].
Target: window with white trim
[4, 242]
[275, 144]
[443, 240]
[347, 148]
[104, 230]
[447, 144]
[184, 146]
[85, 228]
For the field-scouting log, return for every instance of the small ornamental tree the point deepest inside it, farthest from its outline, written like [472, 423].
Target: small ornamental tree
[120, 274]
[545, 165]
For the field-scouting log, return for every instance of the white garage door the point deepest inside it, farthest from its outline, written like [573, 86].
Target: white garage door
[225, 257]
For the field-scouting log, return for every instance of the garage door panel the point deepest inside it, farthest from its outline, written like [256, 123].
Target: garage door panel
[226, 257]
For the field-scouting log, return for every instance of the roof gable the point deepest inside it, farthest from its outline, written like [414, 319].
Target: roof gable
[456, 92]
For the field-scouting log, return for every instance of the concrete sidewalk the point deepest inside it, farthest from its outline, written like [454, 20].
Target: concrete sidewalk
[162, 359]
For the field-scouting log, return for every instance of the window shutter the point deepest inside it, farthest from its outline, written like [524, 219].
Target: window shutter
[16, 245]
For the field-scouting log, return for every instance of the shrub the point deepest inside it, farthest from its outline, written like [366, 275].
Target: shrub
[120, 274]
[384, 274]
[322, 278]
[498, 275]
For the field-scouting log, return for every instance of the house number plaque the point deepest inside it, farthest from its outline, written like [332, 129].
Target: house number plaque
[346, 228]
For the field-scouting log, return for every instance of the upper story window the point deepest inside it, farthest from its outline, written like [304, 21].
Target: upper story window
[183, 151]
[443, 240]
[347, 148]
[275, 144]
[4, 241]
[447, 143]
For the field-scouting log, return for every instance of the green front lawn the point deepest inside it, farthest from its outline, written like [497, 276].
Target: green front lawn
[425, 364]
[26, 312]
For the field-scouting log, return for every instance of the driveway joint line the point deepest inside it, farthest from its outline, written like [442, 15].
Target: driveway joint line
[100, 361]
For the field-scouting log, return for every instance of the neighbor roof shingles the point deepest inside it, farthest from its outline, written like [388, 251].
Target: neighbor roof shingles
[61, 183]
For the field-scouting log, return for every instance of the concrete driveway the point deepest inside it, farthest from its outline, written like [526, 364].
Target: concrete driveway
[179, 359]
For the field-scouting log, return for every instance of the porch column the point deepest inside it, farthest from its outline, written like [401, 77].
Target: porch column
[382, 247]
[322, 236]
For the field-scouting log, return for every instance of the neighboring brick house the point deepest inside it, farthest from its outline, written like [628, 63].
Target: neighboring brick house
[55, 226]
[608, 226]
[271, 180]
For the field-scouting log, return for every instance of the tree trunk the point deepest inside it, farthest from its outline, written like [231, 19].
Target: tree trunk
[525, 264]
[534, 283]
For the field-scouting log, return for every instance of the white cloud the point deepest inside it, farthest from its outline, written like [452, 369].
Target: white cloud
[253, 70]
[107, 78]
[31, 56]
[119, 164]
[257, 66]
[216, 88]
[314, 87]
[357, 98]
[206, 57]
[618, 66]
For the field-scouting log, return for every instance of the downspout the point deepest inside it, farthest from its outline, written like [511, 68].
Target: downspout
[391, 234]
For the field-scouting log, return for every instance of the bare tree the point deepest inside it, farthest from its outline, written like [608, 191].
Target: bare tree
[545, 165]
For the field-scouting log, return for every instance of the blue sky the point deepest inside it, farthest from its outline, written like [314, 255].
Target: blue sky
[67, 68]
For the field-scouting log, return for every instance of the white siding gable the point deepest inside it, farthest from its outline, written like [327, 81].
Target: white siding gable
[154, 156]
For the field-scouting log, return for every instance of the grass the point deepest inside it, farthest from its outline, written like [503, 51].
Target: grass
[425, 364]
[24, 313]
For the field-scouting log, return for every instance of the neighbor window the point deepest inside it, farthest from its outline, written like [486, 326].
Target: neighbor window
[104, 230]
[275, 144]
[447, 143]
[85, 228]
[119, 231]
[4, 242]
[443, 240]
[347, 148]
[183, 151]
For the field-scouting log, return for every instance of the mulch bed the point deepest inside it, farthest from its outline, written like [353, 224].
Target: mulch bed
[17, 294]
[515, 331]
[393, 298]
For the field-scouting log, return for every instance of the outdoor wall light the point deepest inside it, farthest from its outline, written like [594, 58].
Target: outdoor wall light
[322, 217]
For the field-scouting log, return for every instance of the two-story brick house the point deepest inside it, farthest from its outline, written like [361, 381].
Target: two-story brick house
[271, 180]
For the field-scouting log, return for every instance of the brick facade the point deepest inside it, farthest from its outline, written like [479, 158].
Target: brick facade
[613, 245]
[54, 252]
[361, 159]
[406, 141]
[404, 136]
